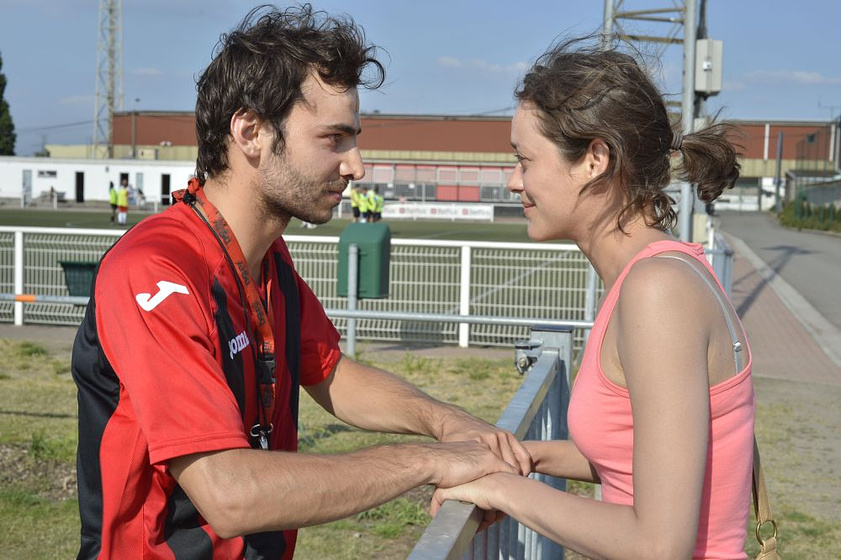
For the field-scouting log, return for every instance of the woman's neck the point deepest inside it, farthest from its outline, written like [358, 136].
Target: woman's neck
[610, 250]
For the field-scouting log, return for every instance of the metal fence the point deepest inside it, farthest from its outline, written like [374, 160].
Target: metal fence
[518, 280]
[537, 412]
[720, 255]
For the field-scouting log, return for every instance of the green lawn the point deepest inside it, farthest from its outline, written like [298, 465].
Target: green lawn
[38, 438]
[509, 230]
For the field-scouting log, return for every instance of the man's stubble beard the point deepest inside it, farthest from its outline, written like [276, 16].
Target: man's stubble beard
[284, 192]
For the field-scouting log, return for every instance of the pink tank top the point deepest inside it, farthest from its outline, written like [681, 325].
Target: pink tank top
[601, 425]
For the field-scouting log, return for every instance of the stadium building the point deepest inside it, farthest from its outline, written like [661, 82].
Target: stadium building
[413, 158]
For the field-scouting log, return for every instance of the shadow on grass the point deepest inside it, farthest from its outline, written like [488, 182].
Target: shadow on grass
[307, 441]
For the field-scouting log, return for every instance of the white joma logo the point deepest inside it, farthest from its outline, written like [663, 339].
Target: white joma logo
[147, 302]
[238, 344]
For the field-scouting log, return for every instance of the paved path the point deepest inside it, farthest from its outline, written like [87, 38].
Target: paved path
[791, 336]
[809, 261]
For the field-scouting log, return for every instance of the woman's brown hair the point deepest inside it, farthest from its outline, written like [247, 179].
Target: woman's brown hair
[584, 92]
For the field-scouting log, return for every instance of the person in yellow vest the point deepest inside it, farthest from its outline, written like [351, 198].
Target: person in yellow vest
[112, 199]
[122, 203]
[364, 206]
[379, 204]
[370, 196]
[354, 202]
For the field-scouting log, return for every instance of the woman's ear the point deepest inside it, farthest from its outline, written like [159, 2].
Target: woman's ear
[598, 158]
[246, 132]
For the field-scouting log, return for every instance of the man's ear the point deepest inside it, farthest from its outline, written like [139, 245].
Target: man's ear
[598, 158]
[246, 132]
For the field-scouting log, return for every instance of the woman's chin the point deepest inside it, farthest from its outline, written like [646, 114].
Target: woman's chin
[537, 233]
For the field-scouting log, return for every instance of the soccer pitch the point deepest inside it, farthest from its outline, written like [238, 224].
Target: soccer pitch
[508, 230]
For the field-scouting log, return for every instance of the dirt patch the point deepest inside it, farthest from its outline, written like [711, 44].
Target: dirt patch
[53, 479]
[800, 445]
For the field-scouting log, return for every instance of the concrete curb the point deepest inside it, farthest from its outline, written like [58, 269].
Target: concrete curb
[825, 334]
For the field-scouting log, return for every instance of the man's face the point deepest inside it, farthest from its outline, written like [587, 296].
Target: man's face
[320, 155]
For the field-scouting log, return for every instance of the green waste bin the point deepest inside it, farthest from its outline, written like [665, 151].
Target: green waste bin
[374, 242]
[78, 276]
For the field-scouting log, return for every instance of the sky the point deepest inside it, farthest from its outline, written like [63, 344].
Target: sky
[443, 57]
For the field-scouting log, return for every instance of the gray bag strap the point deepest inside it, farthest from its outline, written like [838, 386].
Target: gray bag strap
[737, 346]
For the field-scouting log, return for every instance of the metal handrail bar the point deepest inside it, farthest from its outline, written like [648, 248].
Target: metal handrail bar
[36, 298]
[358, 314]
[451, 531]
[318, 239]
[446, 243]
[64, 231]
[448, 318]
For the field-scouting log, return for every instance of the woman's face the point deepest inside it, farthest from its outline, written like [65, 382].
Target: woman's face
[548, 185]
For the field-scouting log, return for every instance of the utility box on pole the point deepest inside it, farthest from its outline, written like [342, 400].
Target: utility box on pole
[374, 243]
[709, 57]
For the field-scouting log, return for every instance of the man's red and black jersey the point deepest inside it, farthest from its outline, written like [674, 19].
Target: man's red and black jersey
[165, 366]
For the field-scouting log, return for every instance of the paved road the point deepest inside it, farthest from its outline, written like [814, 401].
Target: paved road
[810, 262]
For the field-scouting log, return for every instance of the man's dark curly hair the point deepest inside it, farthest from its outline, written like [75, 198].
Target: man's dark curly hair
[261, 65]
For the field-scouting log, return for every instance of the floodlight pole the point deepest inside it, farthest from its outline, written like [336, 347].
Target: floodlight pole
[352, 296]
[688, 111]
[778, 205]
[607, 25]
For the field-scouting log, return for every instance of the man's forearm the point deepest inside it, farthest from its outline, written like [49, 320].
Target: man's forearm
[243, 491]
[372, 399]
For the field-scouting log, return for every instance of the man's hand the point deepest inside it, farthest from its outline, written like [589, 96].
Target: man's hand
[451, 464]
[460, 426]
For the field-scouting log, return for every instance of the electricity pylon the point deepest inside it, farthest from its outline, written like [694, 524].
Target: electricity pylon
[109, 76]
[683, 17]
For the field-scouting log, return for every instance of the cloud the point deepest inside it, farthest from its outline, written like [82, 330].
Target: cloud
[793, 76]
[733, 86]
[449, 62]
[154, 72]
[482, 65]
[76, 100]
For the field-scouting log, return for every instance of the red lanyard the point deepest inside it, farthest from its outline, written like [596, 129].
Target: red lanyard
[258, 313]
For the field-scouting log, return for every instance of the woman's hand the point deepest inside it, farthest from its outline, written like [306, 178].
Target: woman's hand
[483, 492]
[486, 492]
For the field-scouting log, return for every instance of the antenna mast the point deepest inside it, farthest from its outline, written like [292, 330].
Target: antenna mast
[682, 16]
[109, 76]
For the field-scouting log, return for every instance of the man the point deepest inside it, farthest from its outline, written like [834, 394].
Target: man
[122, 202]
[112, 199]
[378, 204]
[200, 332]
[363, 203]
[354, 202]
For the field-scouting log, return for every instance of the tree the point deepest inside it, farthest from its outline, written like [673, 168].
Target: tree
[7, 127]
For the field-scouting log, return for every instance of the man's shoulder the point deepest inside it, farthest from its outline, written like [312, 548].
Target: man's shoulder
[168, 237]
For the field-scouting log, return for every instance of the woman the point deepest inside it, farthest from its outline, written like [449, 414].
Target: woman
[662, 409]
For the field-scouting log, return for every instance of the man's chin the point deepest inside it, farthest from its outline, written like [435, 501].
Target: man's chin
[319, 220]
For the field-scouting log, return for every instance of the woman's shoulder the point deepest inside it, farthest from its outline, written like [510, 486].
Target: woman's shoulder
[658, 292]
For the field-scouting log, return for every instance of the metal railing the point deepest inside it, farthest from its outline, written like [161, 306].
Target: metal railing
[533, 282]
[525, 281]
[537, 412]
[720, 256]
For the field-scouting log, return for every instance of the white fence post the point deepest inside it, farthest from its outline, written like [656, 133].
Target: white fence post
[18, 276]
[464, 297]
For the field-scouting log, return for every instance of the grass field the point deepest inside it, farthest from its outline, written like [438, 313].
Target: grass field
[509, 230]
[38, 441]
